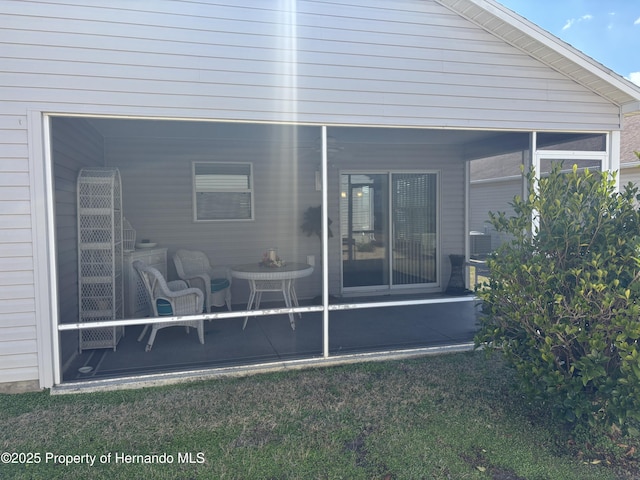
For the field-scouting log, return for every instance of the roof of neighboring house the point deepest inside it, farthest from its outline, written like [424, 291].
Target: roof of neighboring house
[549, 49]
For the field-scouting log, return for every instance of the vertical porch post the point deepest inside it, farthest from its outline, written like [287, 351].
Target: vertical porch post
[535, 163]
[613, 147]
[467, 239]
[325, 249]
[43, 227]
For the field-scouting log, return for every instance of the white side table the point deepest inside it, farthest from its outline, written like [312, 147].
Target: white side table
[267, 279]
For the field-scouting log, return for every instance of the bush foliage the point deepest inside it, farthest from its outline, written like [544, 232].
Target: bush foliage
[563, 299]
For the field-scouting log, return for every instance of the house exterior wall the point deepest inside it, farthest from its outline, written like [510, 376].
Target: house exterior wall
[630, 140]
[157, 200]
[157, 187]
[491, 196]
[18, 348]
[373, 62]
[631, 174]
[380, 157]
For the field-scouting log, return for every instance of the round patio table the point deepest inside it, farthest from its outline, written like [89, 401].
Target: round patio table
[272, 279]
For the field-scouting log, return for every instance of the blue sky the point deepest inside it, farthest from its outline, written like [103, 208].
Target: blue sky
[606, 30]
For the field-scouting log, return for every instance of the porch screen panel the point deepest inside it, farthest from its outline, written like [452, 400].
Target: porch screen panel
[414, 204]
[546, 164]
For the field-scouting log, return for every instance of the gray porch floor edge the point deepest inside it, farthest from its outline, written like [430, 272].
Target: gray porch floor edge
[375, 328]
[160, 379]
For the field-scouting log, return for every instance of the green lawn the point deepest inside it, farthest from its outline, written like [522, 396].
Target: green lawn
[453, 416]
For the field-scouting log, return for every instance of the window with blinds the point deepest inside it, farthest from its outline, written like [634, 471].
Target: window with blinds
[222, 191]
[414, 218]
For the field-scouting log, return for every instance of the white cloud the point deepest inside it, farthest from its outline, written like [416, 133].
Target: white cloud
[635, 77]
[637, 22]
[572, 21]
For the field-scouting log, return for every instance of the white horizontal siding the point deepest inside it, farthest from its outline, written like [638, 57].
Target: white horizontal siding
[444, 101]
[11, 263]
[16, 373]
[17, 289]
[630, 175]
[12, 279]
[414, 63]
[16, 361]
[493, 197]
[14, 221]
[12, 179]
[360, 92]
[17, 319]
[9, 164]
[16, 292]
[15, 235]
[19, 334]
[9, 192]
[16, 305]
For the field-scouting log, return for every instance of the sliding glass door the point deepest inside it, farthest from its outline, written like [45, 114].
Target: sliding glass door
[389, 229]
[364, 211]
[414, 217]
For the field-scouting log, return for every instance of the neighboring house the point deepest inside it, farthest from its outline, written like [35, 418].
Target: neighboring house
[219, 118]
[629, 144]
[496, 180]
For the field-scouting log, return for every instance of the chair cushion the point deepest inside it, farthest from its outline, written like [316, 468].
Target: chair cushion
[218, 284]
[164, 308]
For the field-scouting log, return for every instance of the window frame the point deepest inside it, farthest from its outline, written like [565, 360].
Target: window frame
[250, 190]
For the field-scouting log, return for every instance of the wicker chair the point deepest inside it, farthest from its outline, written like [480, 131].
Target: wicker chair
[194, 268]
[170, 299]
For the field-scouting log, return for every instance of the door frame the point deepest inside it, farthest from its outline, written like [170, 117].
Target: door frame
[390, 287]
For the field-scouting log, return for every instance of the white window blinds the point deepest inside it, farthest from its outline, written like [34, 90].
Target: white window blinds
[222, 191]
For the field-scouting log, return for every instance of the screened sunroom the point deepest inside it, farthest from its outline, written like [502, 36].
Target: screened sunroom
[250, 197]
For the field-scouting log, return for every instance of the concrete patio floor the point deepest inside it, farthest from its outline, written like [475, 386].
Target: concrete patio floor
[270, 339]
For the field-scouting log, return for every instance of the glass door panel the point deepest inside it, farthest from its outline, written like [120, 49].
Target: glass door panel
[389, 230]
[414, 219]
[364, 212]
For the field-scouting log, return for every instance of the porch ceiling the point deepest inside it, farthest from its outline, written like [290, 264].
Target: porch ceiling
[304, 134]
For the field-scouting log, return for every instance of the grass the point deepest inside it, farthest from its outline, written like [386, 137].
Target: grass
[454, 416]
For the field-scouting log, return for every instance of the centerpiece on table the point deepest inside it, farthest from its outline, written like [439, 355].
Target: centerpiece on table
[270, 259]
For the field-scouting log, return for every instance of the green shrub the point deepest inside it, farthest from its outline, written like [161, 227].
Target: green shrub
[563, 303]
